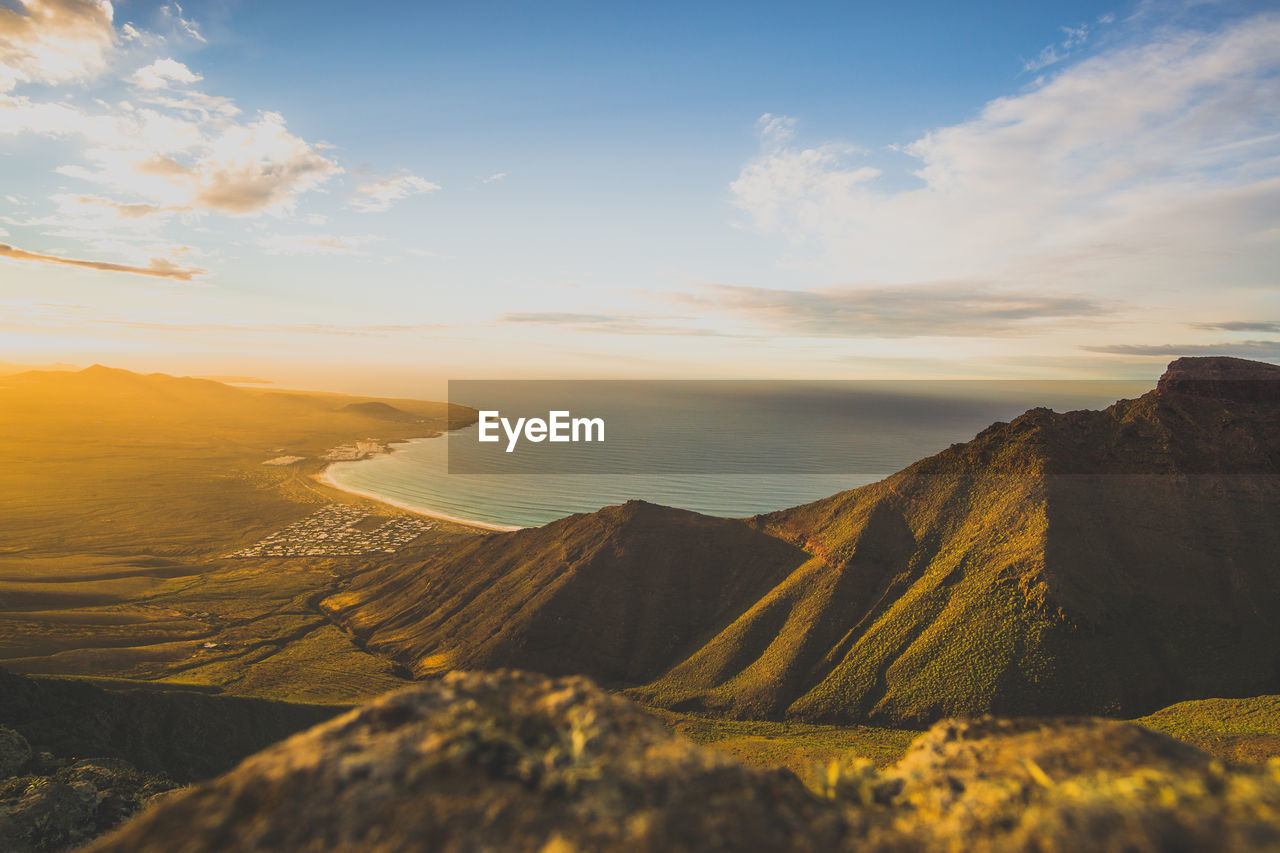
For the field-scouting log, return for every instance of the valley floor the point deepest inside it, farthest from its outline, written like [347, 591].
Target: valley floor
[133, 515]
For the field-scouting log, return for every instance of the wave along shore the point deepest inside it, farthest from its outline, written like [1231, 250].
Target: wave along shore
[327, 479]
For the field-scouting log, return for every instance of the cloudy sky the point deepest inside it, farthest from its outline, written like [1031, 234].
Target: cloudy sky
[378, 197]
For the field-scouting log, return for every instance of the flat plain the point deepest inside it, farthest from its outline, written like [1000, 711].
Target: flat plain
[122, 497]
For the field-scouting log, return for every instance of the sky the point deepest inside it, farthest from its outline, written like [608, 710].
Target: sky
[377, 198]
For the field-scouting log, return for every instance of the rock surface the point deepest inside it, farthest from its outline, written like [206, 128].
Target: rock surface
[50, 804]
[15, 752]
[504, 761]
[512, 761]
[1075, 784]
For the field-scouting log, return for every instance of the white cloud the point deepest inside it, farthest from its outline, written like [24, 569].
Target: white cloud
[195, 163]
[167, 156]
[176, 148]
[496, 176]
[1154, 165]
[790, 188]
[163, 72]
[378, 196]
[254, 167]
[52, 41]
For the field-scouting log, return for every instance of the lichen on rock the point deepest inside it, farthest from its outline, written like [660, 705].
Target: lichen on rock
[519, 762]
[501, 761]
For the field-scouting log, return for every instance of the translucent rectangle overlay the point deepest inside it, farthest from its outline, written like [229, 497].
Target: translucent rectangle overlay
[860, 428]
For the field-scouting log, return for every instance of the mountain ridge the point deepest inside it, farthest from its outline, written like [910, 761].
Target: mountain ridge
[1094, 562]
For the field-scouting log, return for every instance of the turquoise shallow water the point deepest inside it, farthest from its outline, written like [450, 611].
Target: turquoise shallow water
[808, 441]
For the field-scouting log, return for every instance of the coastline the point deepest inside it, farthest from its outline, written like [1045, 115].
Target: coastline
[325, 478]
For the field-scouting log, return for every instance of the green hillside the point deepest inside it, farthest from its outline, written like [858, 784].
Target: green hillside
[1090, 562]
[617, 594]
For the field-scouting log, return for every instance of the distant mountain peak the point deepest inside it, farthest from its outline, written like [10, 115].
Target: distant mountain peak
[103, 370]
[381, 411]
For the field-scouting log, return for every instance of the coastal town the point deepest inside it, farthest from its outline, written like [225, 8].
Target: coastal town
[339, 530]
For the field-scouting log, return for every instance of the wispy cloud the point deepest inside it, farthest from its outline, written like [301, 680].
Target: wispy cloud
[177, 20]
[131, 231]
[1052, 54]
[116, 209]
[52, 315]
[938, 309]
[378, 196]
[496, 176]
[946, 309]
[372, 330]
[1241, 326]
[158, 267]
[1240, 349]
[612, 324]
[317, 244]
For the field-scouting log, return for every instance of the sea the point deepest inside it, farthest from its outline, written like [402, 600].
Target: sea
[730, 449]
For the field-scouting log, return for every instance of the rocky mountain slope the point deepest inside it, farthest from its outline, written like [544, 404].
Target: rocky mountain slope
[1103, 562]
[519, 762]
[1087, 562]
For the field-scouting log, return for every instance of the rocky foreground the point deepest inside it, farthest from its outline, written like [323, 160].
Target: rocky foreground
[50, 804]
[514, 761]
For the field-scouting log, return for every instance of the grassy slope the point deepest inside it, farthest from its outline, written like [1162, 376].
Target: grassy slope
[880, 624]
[1094, 562]
[119, 497]
[615, 595]
[1232, 730]
[1239, 730]
[800, 747]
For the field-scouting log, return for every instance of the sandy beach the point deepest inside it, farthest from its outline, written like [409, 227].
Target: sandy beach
[325, 478]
